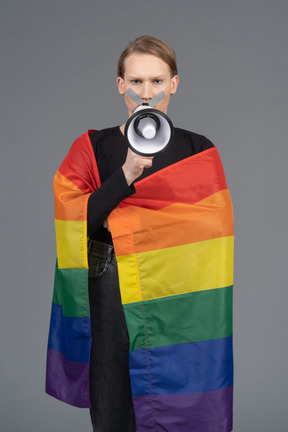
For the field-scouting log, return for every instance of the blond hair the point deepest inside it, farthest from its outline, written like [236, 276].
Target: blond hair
[149, 45]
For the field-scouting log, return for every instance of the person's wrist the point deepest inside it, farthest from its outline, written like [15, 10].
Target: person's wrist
[127, 176]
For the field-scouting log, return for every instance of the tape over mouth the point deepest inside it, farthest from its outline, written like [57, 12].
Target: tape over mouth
[139, 101]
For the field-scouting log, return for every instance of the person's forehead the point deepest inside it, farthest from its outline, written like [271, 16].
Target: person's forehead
[138, 63]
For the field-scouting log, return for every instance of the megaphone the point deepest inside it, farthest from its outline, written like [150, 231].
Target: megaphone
[148, 130]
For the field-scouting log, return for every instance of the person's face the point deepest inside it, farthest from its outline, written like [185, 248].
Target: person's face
[147, 75]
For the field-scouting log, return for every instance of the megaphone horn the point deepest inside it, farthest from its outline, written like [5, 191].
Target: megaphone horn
[147, 125]
[148, 130]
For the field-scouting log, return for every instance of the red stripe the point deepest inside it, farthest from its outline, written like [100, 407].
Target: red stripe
[203, 171]
[80, 166]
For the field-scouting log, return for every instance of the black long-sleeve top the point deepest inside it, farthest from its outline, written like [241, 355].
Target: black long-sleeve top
[110, 148]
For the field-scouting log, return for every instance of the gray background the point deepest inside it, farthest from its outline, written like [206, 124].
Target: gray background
[58, 70]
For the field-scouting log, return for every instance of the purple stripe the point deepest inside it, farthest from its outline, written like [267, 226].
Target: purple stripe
[67, 381]
[195, 412]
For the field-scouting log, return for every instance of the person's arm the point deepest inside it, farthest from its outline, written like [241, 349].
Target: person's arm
[114, 190]
[106, 198]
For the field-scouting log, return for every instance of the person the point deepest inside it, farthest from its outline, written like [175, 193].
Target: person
[126, 378]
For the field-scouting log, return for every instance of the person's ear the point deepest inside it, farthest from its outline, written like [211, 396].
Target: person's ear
[174, 84]
[120, 84]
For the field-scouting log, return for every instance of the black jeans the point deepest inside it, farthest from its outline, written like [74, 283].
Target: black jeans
[110, 389]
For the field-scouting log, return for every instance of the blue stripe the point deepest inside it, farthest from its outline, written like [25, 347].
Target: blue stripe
[183, 368]
[69, 336]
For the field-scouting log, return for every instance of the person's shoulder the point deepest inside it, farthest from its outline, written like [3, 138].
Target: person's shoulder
[103, 133]
[198, 141]
[103, 137]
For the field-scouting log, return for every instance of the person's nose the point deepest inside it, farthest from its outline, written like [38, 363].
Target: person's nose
[147, 92]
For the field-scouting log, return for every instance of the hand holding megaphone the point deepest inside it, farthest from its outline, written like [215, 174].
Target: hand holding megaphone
[134, 165]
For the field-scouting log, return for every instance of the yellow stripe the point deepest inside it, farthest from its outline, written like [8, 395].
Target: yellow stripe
[71, 241]
[177, 270]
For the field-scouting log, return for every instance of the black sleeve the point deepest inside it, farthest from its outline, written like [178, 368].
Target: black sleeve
[205, 144]
[106, 198]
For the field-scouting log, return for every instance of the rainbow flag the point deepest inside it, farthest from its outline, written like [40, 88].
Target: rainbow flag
[174, 245]
[173, 241]
[67, 371]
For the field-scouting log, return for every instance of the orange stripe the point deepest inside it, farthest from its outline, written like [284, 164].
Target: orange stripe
[70, 201]
[175, 225]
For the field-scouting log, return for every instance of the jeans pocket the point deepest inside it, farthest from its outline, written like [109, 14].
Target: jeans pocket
[98, 268]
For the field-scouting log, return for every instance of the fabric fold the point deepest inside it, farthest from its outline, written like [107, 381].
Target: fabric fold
[174, 243]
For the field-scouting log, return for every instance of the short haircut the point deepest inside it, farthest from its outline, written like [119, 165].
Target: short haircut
[149, 45]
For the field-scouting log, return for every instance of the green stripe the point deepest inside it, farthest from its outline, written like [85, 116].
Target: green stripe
[71, 291]
[192, 317]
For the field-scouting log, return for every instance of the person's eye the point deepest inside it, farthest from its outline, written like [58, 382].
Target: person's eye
[158, 81]
[135, 82]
